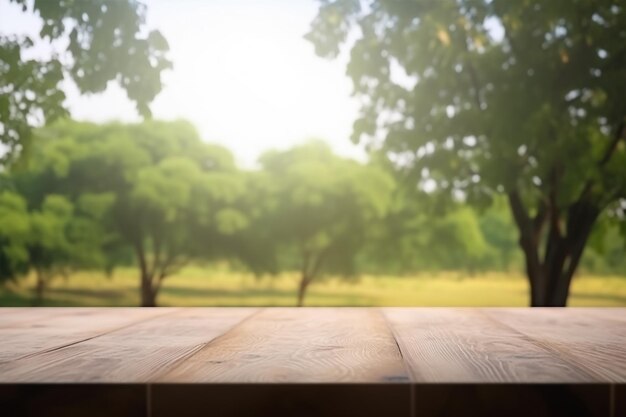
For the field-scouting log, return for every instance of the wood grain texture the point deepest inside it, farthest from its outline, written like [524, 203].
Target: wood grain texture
[299, 346]
[312, 345]
[54, 329]
[135, 353]
[462, 345]
[576, 335]
[18, 316]
[602, 314]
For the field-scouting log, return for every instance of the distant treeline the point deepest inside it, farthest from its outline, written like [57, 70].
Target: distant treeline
[156, 196]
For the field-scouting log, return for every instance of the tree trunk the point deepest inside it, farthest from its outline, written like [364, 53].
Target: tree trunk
[304, 283]
[39, 289]
[148, 292]
[551, 282]
[550, 277]
[581, 219]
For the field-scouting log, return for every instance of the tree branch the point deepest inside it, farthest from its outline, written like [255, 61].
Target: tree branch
[519, 212]
[528, 241]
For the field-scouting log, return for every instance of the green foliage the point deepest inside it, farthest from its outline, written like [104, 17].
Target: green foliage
[50, 247]
[499, 232]
[459, 237]
[155, 196]
[324, 208]
[417, 236]
[399, 241]
[51, 239]
[487, 111]
[154, 188]
[607, 248]
[14, 236]
[106, 41]
[476, 98]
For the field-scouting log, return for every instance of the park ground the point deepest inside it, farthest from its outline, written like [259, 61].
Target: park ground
[197, 286]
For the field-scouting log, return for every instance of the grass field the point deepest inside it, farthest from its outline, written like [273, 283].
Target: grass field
[202, 287]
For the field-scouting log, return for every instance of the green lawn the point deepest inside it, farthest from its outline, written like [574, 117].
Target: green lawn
[203, 287]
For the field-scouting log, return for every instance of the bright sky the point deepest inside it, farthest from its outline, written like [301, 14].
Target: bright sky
[243, 74]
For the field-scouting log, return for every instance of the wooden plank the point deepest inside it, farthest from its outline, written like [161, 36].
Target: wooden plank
[16, 316]
[313, 345]
[304, 345]
[57, 330]
[132, 354]
[606, 313]
[462, 345]
[598, 346]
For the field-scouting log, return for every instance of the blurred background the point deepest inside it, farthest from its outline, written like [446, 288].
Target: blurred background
[319, 152]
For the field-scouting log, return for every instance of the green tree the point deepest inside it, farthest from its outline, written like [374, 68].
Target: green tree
[14, 236]
[170, 198]
[102, 41]
[254, 247]
[323, 208]
[50, 240]
[477, 98]
[62, 238]
[417, 235]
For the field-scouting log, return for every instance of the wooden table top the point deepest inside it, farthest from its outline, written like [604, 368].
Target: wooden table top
[312, 345]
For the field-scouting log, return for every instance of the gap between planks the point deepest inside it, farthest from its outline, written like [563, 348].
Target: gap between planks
[459, 345]
[291, 345]
[419, 344]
